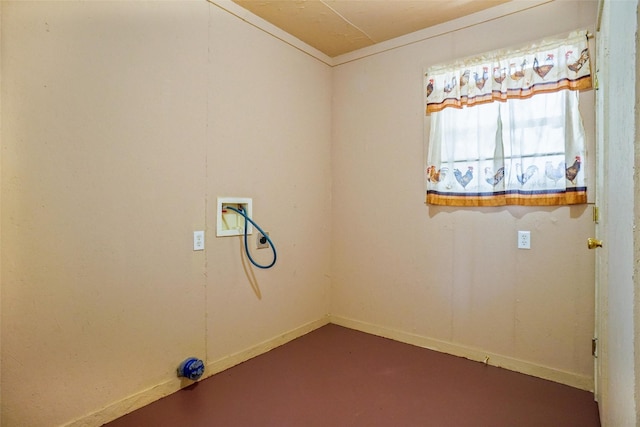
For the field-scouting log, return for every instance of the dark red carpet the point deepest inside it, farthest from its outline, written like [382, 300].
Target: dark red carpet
[340, 377]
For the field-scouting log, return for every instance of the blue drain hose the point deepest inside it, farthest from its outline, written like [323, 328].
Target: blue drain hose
[246, 246]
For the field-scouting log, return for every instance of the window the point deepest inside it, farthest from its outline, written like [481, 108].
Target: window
[513, 137]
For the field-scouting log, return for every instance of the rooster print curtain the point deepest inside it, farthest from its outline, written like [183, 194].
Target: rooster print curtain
[527, 148]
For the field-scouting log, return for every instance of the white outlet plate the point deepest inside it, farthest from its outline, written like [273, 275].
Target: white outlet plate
[198, 240]
[230, 223]
[524, 240]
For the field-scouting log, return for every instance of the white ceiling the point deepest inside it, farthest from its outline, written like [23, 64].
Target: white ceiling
[336, 27]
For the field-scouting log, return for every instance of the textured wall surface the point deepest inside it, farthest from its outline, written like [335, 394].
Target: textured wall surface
[124, 122]
[454, 275]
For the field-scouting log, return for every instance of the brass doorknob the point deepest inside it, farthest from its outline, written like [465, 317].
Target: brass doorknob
[593, 243]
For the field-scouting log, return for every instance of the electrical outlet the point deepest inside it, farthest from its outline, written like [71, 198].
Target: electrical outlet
[261, 241]
[524, 240]
[198, 240]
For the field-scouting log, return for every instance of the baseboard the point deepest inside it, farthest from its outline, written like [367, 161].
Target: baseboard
[563, 377]
[237, 358]
[150, 395]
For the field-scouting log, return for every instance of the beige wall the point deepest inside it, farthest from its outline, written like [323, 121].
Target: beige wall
[122, 123]
[447, 278]
[269, 132]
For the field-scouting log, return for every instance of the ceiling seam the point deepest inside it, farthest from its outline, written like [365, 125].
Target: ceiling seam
[212, 2]
[337, 62]
[349, 22]
[346, 58]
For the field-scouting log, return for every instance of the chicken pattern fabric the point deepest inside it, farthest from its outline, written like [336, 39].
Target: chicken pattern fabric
[487, 153]
[497, 76]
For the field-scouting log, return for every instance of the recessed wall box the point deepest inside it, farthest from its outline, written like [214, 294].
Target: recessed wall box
[229, 222]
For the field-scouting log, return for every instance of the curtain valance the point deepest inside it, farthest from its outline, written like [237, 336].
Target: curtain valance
[548, 66]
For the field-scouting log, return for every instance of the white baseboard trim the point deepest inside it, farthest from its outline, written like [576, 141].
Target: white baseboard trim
[237, 358]
[150, 395]
[563, 377]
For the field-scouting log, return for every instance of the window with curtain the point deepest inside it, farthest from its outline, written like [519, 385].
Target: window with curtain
[505, 127]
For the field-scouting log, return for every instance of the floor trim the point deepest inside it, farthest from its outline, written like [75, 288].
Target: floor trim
[563, 377]
[150, 395]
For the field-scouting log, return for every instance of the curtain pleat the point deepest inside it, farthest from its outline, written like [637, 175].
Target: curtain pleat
[548, 66]
[526, 149]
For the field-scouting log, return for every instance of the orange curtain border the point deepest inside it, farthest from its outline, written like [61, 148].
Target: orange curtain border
[572, 196]
[582, 83]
